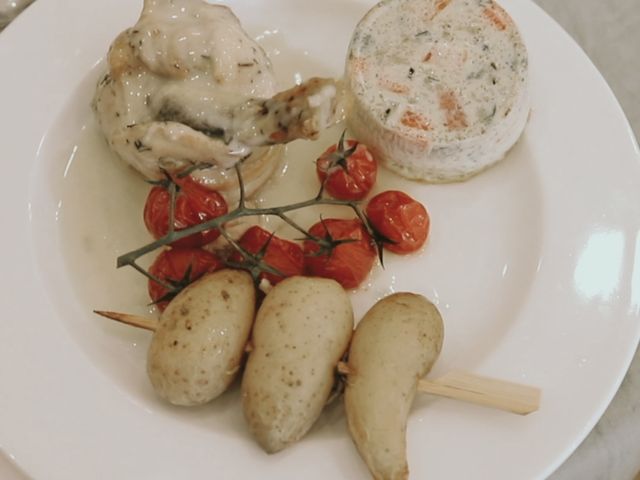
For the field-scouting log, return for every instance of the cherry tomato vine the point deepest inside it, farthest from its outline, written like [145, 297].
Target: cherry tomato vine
[324, 244]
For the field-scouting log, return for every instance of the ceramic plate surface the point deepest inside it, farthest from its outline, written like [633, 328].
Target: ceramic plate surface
[535, 265]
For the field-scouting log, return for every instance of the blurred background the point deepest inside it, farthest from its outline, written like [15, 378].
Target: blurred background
[609, 32]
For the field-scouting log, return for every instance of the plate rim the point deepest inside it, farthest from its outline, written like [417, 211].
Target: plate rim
[30, 16]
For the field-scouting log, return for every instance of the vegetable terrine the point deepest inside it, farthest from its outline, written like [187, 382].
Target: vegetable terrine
[438, 88]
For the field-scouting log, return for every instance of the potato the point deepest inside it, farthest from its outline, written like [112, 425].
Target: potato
[301, 332]
[198, 346]
[394, 345]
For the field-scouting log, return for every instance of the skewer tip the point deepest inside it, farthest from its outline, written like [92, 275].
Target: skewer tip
[128, 319]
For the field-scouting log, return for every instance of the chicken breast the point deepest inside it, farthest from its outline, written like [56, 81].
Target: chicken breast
[187, 86]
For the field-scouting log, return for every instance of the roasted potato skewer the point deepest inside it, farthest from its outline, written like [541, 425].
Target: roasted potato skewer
[395, 344]
[301, 331]
[198, 343]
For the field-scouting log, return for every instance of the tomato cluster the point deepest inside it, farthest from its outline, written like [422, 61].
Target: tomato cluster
[401, 221]
[194, 204]
[395, 220]
[184, 262]
[281, 255]
[350, 260]
[176, 268]
[341, 249]
[347, 175]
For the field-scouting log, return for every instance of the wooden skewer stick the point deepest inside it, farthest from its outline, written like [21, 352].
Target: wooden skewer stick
[142, 322]
[133, 320]
[489, 392]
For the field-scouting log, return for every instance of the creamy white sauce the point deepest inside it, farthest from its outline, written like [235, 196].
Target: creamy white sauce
[204, 44]
[173, 83]
[187, 86]
[101, 215]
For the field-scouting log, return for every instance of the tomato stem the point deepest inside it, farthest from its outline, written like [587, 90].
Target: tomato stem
[152, 277]
[173, 191]
[253, 262]
[240, 185]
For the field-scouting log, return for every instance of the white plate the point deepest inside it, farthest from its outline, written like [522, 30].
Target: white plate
[534, 265]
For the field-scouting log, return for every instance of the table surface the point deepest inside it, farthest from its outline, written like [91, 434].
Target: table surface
[609, 32]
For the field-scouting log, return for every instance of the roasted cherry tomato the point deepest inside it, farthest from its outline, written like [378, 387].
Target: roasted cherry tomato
[195, 204]
[348, 263]
[347, 174]
[283, 255]
[400, 219]
[179, 266]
